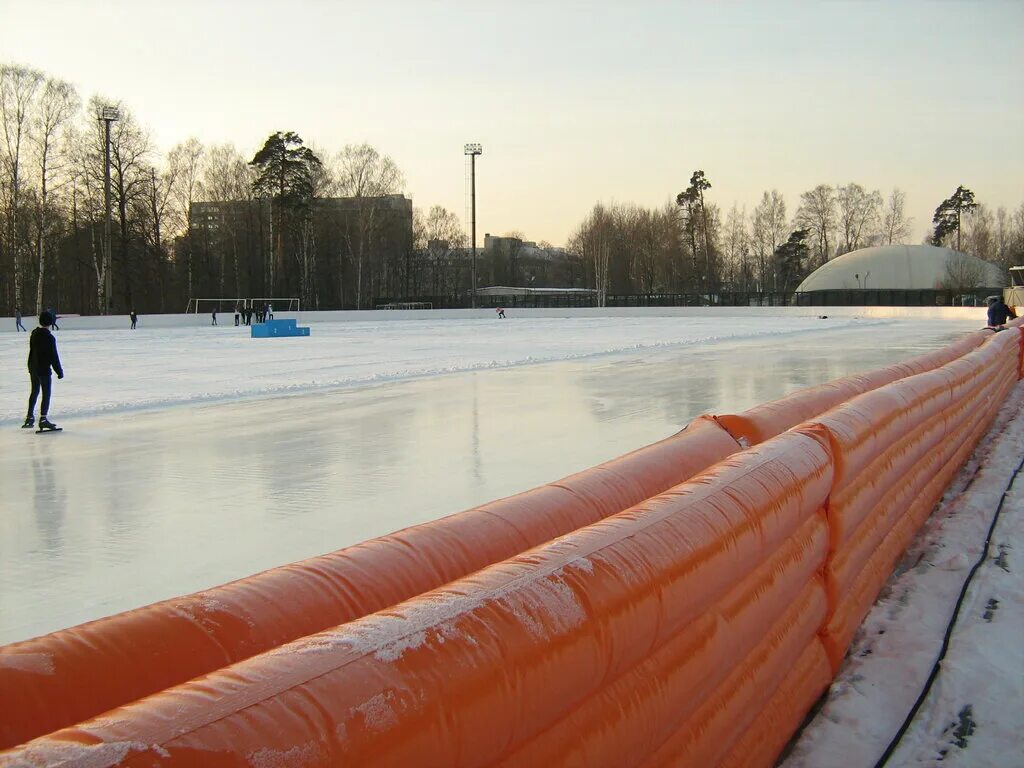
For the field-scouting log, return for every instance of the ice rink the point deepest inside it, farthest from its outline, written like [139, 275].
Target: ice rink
[193, 456]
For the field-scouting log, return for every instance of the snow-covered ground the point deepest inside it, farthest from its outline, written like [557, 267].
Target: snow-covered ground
[195, 455]
[120, 370]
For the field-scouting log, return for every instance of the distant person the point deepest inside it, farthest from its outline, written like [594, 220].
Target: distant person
[134, 318]
[501, 313]
[42, 357]
[214, 316]
[999, 312]
[17, 322]
[238, 312]
[53, 317]
[247, 311]
[270, 311]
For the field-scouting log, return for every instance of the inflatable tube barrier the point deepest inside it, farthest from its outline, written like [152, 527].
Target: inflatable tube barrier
[106, 663]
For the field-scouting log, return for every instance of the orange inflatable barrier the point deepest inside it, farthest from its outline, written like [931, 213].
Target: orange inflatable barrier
[466, 673]
[636, 712]
[103, 664]
[706, 737]
[895, 452]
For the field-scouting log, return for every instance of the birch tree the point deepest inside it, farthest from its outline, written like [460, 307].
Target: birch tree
[859, 214]
[769, 231]
[817, 214]
[58, 103]
[18, 88]
[184, 163]
[895, 222]
[362, 173]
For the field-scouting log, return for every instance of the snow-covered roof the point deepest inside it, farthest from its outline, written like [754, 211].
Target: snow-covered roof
[906, 267]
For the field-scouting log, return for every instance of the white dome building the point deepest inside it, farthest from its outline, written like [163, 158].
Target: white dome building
[898, 267]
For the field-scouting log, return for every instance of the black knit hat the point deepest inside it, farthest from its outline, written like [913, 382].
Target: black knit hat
[45, 318]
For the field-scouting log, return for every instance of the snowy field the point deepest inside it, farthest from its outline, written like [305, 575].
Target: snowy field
[195, 455]
[119, 370]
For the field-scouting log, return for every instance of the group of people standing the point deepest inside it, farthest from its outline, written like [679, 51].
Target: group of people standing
[18, 326]
[244, 315]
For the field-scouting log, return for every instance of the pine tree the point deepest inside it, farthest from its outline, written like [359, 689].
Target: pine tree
[947, 215]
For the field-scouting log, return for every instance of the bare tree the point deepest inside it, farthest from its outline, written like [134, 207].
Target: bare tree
[592, 241]
[362, 173]
[963, 273]
[184, 164]
[895, 223]
[859, 213]
[769, 231]
[58, 103]
[443, 238]
[817, 214]
[979, 233]
[736, 249]
[18, 87]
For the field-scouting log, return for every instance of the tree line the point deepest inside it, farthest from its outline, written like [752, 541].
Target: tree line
[197, 220]
[336, 230]
[690, 246]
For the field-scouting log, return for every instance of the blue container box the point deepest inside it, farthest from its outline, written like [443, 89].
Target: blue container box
[273, 329]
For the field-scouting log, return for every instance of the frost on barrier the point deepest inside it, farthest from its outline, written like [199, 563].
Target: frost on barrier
[32, 663]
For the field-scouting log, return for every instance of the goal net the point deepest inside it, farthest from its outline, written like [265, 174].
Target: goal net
[407, 305]
[231, 305]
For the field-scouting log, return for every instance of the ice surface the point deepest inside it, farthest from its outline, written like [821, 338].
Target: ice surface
[193, 456]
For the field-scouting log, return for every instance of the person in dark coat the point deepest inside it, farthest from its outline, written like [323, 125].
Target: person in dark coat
[53, 318]
[999, 312]
[134, 318]
[17, 321]
[42, 357]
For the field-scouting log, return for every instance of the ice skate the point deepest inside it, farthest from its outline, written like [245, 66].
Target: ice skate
[30, 422]
[45, 425]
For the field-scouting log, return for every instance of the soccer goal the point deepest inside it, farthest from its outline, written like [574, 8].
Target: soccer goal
[229, 305]
[407, 305]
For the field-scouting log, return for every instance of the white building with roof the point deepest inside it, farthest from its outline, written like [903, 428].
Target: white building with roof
[902, 267]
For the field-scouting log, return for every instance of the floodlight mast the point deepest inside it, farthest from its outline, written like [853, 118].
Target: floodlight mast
[107, 115]
[473, 150]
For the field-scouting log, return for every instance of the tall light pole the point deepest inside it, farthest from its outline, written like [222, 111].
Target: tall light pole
[107, 115]
[473, 150]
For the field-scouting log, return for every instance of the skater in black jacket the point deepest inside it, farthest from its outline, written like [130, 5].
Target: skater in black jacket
[42, 356]
[999, 312]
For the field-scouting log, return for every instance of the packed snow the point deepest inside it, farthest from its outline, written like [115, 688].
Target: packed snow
[118, 370]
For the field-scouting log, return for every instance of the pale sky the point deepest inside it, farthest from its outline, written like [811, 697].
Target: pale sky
[573, 102]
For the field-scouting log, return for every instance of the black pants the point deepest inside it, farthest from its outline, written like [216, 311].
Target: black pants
[39, 382]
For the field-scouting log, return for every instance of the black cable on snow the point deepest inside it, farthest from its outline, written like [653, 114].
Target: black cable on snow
[884, 759]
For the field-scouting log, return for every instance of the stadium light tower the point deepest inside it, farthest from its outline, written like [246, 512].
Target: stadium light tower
[473, 150]
[107, 115]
